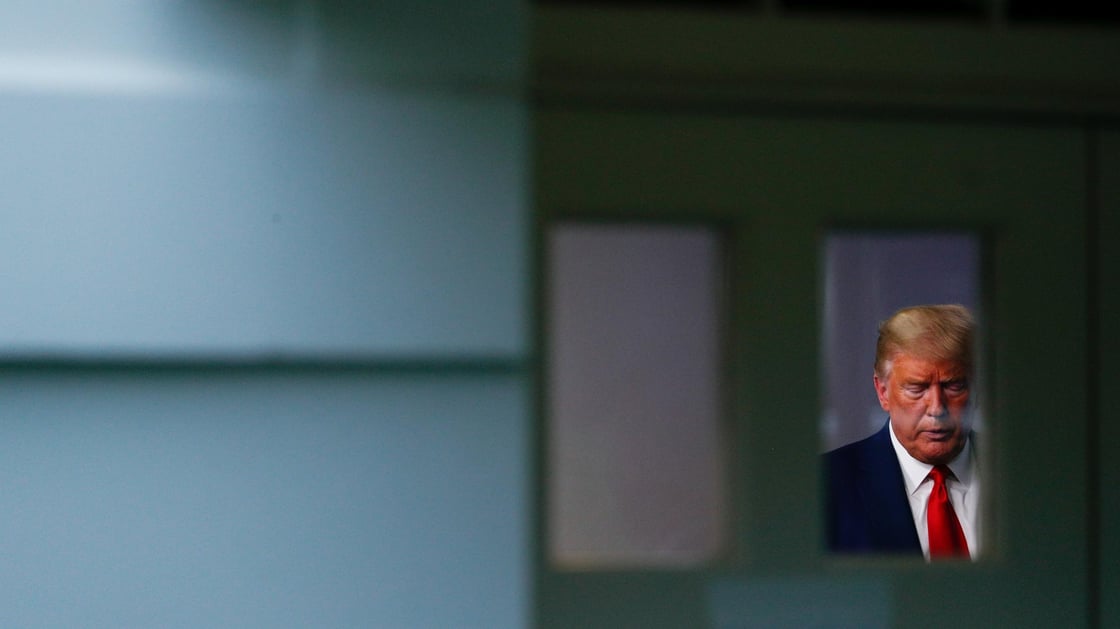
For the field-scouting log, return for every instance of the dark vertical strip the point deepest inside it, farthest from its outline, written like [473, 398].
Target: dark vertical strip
[1092, 384]
[538, 425]
[991, 317]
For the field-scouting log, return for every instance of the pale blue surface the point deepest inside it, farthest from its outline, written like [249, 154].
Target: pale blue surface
[294, 178]
[315, 181]
[383, 223]
[263, 500]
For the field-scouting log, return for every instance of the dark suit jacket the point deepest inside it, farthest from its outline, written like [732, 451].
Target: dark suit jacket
[867, 507]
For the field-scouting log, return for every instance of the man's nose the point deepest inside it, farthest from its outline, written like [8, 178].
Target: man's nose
[935, 396]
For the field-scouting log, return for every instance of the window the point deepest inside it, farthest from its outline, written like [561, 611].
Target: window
[868, 276]
[635, 473]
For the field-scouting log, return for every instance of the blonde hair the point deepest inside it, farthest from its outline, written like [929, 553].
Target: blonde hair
[934, 332]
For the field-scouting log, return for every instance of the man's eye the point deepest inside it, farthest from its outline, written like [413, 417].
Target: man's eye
[956, 386]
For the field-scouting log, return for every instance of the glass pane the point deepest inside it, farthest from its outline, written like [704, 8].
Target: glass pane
[635, 460]
[870, 276]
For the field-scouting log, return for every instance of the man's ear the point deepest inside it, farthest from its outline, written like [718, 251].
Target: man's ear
[881, 391]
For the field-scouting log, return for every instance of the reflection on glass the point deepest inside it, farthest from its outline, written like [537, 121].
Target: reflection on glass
[900, 411]
[635, 474]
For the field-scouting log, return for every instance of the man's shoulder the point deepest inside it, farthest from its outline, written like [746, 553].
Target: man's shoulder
[877, 443]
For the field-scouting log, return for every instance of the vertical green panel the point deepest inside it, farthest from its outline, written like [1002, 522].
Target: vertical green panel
[1107, 379]
[779, 407]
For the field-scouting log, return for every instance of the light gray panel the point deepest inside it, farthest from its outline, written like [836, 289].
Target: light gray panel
[362, 222]
[636, 466]
[242, 499]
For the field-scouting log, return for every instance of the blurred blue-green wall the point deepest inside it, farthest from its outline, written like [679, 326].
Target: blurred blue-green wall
[264, 325]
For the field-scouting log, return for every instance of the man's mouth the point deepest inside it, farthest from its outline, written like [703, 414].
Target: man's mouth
[938, 435]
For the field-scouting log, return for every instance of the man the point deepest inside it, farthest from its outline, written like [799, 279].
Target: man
[912, 487]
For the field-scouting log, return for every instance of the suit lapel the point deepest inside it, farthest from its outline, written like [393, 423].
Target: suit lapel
[884, 494]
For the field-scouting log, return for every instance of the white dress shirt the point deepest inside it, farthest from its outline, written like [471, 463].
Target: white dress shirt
[964, 492]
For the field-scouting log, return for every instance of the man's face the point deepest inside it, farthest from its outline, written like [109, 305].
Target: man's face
[928, 404]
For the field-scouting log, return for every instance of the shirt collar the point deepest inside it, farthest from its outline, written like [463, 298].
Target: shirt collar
[914, 472]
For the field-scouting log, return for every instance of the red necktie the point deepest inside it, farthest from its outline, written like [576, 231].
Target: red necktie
[946, 538]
